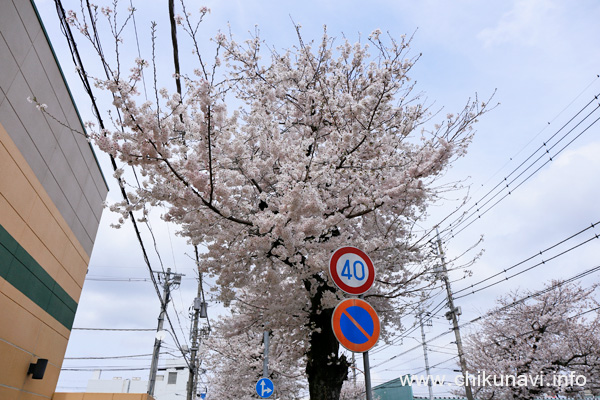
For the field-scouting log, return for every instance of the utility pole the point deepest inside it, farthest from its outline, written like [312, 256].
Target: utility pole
[192, 380]
[200, 311]
[453, 314]
[168, 282]
[429, 379]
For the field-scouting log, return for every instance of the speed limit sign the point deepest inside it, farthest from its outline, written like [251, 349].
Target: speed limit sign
[351, 270]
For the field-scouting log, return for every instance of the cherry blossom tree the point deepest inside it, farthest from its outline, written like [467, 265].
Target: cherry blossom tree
[234, 356]
[274, 159]
[555, 335]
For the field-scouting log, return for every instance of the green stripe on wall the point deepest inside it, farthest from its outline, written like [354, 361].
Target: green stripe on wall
[30, 278]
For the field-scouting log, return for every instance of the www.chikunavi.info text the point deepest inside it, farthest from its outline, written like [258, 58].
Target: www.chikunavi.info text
[483, 379]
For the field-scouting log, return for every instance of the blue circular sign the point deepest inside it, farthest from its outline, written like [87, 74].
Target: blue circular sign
[351, 329]
[356, 325]
[264, 387]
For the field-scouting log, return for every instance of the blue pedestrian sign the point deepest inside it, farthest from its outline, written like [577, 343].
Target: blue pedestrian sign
[265, 387]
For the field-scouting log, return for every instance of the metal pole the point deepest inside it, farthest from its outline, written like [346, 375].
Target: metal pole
[367, 375]
[266, 358]
[354, 369]
[157, 341]
[429, 379]
[461, 355]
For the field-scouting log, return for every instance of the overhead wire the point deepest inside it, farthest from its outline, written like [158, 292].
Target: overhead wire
[83, 76]
[461, 220]
[436, 365]
[449, 231]
[496, 310]
[111, 357]
[115, 329]
[402, 335]
[543, 262]
[541, 252]
[442, 304]
[163, 306]
[565, 108]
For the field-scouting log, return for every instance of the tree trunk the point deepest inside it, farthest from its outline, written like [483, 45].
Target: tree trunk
[325, 369]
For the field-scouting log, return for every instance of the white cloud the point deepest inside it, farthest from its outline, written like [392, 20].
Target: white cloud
[522, 24]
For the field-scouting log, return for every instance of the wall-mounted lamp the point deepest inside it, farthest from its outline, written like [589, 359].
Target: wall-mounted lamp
[38, 369]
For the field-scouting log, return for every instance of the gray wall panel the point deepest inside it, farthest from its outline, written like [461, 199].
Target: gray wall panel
[60, 200]
[95, 202]
[80, 231]
[8, 65]
[62, 160]
[12, 124]
[86, 215]
[32, 120]
[62, 173]
[14, 32]
[28, 18]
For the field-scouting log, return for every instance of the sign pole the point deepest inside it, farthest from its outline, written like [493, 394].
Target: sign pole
[266, 357]
[355, 323]
[367, 368]
[264, 386]
[367, 375]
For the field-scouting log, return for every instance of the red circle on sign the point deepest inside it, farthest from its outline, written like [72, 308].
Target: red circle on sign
[337, 279]
[342, 331]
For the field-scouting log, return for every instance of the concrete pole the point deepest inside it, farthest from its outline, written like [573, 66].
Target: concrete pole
[455, 327]
[429, 379]
[157, 341]
[193, 376]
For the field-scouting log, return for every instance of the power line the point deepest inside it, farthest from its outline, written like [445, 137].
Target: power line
[593, 225]
[105, 369]
[505, 184]
[116, 329]
[496, 310]
[440, 306]
[545, 127]
[111, 357]
[122, 279]
[398, 338]
[83, 76]
[436, 365]
[543, 262]
[467, 215]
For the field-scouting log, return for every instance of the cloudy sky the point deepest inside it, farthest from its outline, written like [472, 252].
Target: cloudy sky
[541, 58]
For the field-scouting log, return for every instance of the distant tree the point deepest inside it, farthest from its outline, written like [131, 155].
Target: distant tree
[234, 357]
[551, 334]
[354, 391]
[272, 161]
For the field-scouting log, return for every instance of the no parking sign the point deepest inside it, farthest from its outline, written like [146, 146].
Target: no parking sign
[356, 325]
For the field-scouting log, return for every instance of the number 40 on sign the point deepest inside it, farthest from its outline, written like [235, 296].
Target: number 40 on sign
[351, 270]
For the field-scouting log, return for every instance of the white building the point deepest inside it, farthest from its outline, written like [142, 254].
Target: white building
[171, 383]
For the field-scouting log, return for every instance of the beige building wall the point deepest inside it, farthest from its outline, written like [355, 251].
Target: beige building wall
[51, 194]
